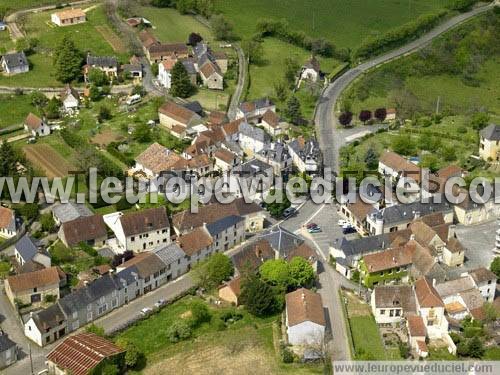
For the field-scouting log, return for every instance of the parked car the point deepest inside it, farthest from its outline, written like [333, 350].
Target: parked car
[160, 303]
[314, 230]
[146, 311]
[342, 222]
[349, 230]
[347, 225]
[311, 225]
[290, 211]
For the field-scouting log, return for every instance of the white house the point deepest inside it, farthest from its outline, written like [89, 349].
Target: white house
[305, 318]
[165, 72]
[391, 303]
[8, 227]
[255, 108]
[70, 99]
[140, 231]
[212, 76]
[311, 70]
[431, 308]
[25, 251]
[252, 139]
[36, 126]
[486, 282]
[68, 17]
[306, 155]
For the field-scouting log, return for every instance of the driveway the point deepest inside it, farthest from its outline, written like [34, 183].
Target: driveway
[326, 122]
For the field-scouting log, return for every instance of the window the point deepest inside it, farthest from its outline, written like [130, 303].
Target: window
[132, 238]
[75, 314]
[382, 312]
[146, 280]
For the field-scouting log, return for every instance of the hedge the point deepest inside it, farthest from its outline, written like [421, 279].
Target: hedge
[399, 35]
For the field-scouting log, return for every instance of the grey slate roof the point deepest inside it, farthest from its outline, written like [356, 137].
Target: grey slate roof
[26, 248]
[221, 225]
[254, 132]
[189, 65]
[255, 104]
[80, 298]
[16, 60]
[253, 167]
[308, 149]
[5, 342]
[195, 106]
[451, 287]
[491, 132]
[169, 254]
[102, 61]
[70, 211]
[357, 248]
[49, 318]
[276, 151]
[406, 212]
[281, 240]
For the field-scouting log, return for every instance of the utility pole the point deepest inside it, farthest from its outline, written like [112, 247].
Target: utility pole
[437, 105]
[31, 361]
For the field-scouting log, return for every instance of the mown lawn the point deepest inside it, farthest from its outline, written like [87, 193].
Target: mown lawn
[25, 4]
[171, 26]
[344, 22]
[85, 36]
[14, 109]
[366, 337]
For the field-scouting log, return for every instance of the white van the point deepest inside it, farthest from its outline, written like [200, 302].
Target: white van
[133, 99]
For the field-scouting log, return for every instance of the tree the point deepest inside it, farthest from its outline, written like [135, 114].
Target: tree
[253, 50]
[275, 272]
[67, 61]
[258, 297]
[213, 271]
[222, 28]
[194, 39]
[490, 312]
[345, 118]
[110, 369]
[138, 90]
[132, 354]
[292, 110]
[161, 3]
[52, 110]
[179, 330]
[406, 103]
[142, 133]
[402, 144]
[181, 83]
[301, 272]
[3, 11]
[371, 159]
[280, 90]
[380, 114]
[365, 115]
[94, 93]
[292, 68]
[8, 159]
[104, 113]
[479, 120]
[29, 211]
[97, 77]
[38, 99]
[495, 266]
[199, 313]
[47, 222]
[476, 349]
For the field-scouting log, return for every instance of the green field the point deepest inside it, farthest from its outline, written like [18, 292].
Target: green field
[14, 109]
[344, 22]
[171, 26]
[461, 70]
[85, 36]
[25, 4]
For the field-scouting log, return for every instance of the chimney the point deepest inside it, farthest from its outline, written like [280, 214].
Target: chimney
[417, 214]
[433, 282]
[394, 260]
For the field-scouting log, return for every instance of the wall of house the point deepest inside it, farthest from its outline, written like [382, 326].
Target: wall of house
[489, 149]
[488, 290]
[6, 233]
[147, 241]
[8, 357]
[453, 259]
[230, 237]
[254, 222]
[479, 214]
[434, 321]
[250, 145]
[383, 315]
[305, 333]
[25, 295]
[214, 82]
[227, 294]
[169, 122]
[43, 338]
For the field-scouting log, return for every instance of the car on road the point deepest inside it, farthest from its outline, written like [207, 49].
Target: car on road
[290, 211]
[314, 230]
[311, 225]
[146, 311]
[342, 222]
[348, 230]
[160, 303]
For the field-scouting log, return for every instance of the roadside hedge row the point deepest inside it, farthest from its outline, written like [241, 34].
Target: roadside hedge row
[105, 167]
[281, 30]
[399, 35]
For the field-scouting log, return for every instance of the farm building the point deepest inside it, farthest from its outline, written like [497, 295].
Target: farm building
[36, 126]
[69, 17]
[14, 63]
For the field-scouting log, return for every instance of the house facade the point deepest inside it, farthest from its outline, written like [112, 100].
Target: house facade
[68, 17]
[489, 143]
[90, 230]
[306, 155]
[107, 64]
[8, 225]
[36, 126]
[14, 63]
[8, 351]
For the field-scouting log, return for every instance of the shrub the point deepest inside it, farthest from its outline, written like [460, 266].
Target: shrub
[231, 315]
[179, 331]
[95, 329]
[199, 313]
[286, 355]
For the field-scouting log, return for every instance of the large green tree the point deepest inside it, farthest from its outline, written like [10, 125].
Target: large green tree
[181, 83]
[292, 110]
[495, 266]
[258, 296]
[213, 271]
[67, 61]
[275, 272]
[8, 159]
[221, 27]
[301, 272]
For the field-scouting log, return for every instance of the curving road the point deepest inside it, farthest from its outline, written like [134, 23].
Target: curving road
[242, 71]
[330, 137]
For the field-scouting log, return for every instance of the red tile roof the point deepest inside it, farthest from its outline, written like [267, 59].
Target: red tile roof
[31, 280]
[6, 217]
[81, 353]
[304, 305]
[416, 326]
[177, 112]
[427, 296]
[33, 121]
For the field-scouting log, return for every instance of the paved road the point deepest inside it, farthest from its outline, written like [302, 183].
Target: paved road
[242, 72]
[326, 121]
